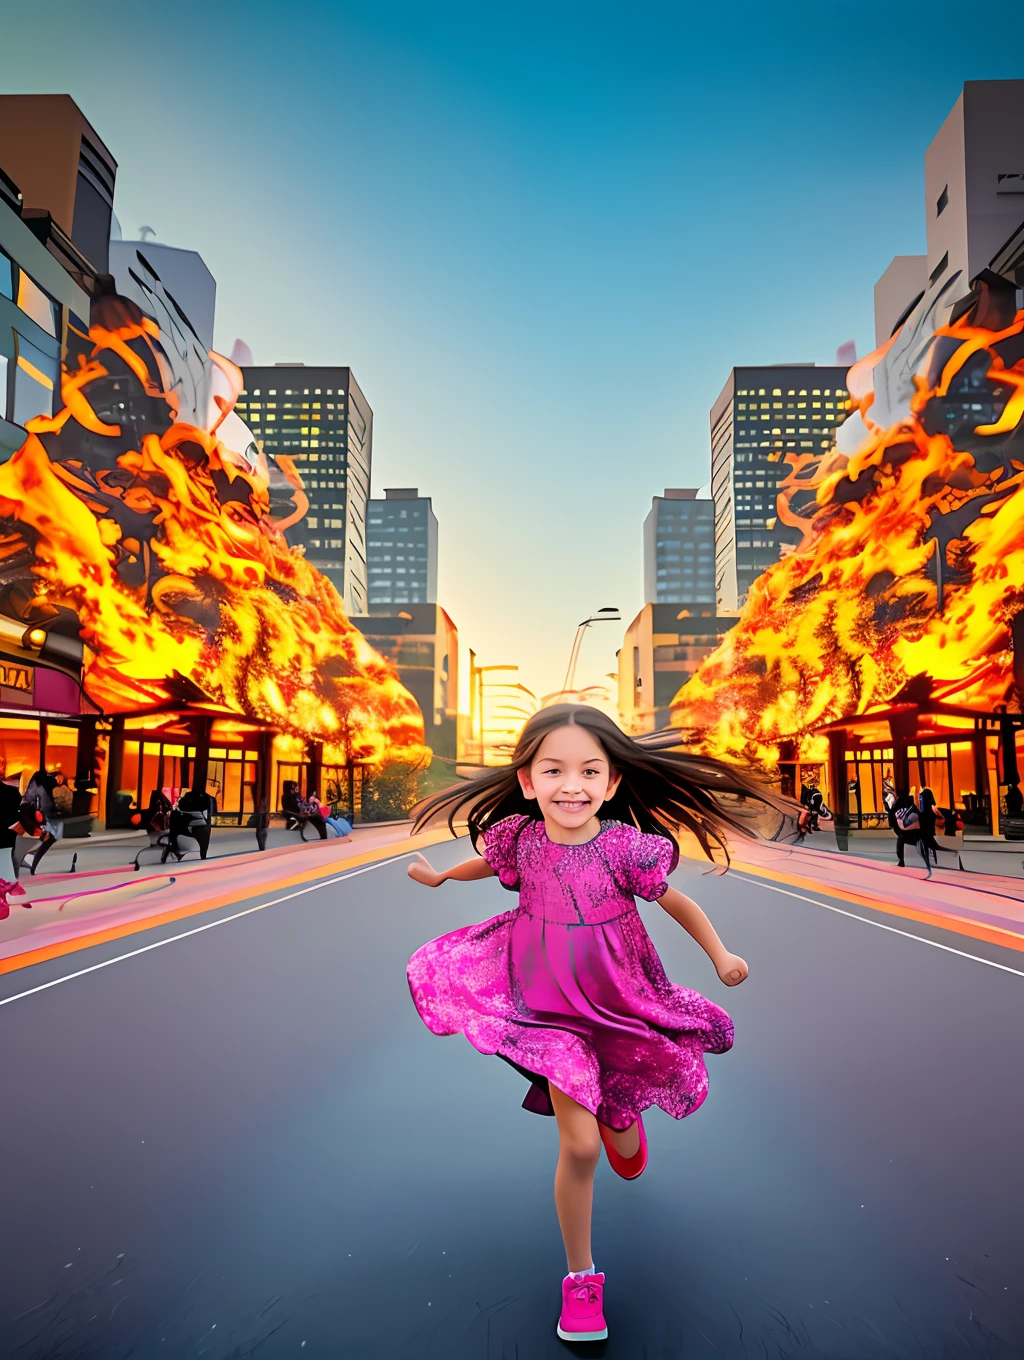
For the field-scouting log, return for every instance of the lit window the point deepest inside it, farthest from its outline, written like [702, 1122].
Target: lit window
[37, 304]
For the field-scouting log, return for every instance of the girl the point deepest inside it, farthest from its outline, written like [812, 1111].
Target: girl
[567, 987]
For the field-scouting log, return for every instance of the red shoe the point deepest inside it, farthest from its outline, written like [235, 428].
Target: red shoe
[626, 1167]
[582, 1309]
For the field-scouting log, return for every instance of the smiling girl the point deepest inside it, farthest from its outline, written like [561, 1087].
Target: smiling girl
[568, 987]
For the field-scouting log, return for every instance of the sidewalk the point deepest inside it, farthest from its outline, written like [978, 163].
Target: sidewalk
[71, 911]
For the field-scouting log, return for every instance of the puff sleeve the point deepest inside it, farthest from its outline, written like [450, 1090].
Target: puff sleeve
[501, 850]
[648, 862]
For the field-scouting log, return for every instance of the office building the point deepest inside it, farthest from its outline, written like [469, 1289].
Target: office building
[423, 644]
[66, 176]
[679, 549]
[761, 416]
[319, 418]
[662, 648]
[38, 298]
[974, 201]
[401, 550]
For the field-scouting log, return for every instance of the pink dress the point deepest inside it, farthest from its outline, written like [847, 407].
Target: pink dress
[567, 987]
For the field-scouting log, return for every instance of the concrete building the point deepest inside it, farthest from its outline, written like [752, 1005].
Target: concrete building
[974, 200]
[423, 643]
[662, 648]
[66, 176]
[183, 275]
[401, 550]
[761, 416]
[319, 418]
[679, 549]
[38, 301]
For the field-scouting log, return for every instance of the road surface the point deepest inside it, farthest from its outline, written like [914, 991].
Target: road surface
[243, 1141]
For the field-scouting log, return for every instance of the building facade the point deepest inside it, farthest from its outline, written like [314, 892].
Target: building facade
[662, 648]
[423, 643]
[974, 201]
[318, 418]
[38, 302]
[401, 550]
[679, 549]
[761, 416]
[66, 175]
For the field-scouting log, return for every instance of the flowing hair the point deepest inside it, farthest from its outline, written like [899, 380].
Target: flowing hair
[661, 789]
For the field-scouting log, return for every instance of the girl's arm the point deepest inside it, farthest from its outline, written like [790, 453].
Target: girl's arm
[465, 872]
[730, 967]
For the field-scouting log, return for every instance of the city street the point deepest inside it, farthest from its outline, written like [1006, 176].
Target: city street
[243, 1141]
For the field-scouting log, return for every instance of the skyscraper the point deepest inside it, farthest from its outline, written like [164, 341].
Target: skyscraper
[761, 415]
[319, 418]
[401, 549]
[974, 201]
[679, 549]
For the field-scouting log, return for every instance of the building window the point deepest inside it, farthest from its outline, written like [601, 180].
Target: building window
[943, 199]
[6, 276]
[37, 304]
[36, 379]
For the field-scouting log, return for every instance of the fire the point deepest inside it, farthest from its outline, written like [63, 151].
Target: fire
[160, 540]
[911, 568]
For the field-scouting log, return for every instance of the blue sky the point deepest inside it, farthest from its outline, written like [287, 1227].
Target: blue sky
[540, 234]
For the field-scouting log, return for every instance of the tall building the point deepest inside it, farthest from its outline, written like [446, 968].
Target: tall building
[401, 549]
[38, 301]
[66, 176]
[679, 549]
[974, 200]
[761, 415]
[319, 418]
[662, 648]
[423, 643]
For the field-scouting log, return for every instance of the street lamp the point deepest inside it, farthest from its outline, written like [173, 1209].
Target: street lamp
[608, 614]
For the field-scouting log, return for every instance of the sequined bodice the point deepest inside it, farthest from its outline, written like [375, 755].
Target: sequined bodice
[579, 884]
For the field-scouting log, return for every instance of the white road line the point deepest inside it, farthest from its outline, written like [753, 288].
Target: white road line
[989, 963]
[221, 921]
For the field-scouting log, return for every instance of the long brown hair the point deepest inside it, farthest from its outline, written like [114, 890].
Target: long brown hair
[661, 787]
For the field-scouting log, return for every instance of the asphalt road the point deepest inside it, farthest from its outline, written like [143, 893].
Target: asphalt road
[244, 1142]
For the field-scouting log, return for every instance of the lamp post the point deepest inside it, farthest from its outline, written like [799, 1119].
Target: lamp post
[609, 614]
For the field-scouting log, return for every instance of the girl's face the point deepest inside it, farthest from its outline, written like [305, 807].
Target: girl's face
[570, 777]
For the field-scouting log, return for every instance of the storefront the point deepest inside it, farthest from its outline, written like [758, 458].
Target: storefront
[968, 759]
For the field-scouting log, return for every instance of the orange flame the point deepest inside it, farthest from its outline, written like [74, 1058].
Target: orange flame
[912, 562]
[181, 581]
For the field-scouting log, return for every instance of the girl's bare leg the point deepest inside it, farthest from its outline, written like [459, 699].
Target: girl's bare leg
[579, 1147]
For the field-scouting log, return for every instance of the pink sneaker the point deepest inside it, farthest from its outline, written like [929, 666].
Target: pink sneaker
[582, 1309]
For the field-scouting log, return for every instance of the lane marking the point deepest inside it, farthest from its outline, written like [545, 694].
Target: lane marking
[841, 911]
[197, 930]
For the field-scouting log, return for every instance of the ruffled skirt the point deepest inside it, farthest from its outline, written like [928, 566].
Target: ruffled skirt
[587, 1007]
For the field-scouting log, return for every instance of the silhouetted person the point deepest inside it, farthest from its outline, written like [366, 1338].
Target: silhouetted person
[904, 820]
[192, 816]
[929, 820]
[299, 810]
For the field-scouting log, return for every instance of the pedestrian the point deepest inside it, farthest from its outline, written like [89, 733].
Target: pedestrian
[567, 988]
[929, 820]
[193, 817]
[39, 818]
[300, 810]
[905, 822]
[10, 802]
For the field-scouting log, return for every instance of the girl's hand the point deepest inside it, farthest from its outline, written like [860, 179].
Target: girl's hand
[421, 871]
[732, 969]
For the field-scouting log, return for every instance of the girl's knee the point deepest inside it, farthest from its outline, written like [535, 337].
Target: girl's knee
[582, 1149]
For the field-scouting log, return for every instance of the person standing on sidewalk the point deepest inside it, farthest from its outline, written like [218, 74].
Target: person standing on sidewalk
[905, 822]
